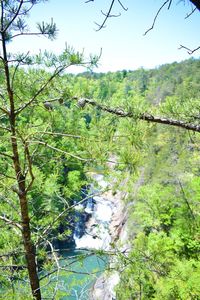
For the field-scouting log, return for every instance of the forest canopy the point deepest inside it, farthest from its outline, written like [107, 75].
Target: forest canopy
[56, 128]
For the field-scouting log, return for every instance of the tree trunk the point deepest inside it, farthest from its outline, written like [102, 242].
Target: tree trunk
[29, 248]
[26, 232]
[20, 178]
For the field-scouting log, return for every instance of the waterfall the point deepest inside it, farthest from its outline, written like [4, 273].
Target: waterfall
[97, 222]
[93, 219]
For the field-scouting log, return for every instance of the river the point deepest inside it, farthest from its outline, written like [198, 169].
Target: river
[86, 265]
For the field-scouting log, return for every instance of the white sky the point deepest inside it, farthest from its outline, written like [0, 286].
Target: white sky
[122, 41]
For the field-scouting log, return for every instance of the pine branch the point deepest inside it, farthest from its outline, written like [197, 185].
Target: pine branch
[144, 116]
[13, 18]
[58, 150]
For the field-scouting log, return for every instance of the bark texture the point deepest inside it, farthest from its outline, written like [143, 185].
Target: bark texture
[21, 182]
[146, 117]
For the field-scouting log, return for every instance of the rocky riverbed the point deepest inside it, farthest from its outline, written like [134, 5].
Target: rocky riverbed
[103, 289]
[107, 225]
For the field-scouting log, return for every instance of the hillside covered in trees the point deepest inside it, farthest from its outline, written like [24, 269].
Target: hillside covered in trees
[61, 141]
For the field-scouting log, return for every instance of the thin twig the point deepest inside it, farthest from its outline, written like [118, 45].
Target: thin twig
[157, 14]
[186, 200]
[45, 231]
[190, 51]
[59, 150]
[124, 8]
[6, 155]
[11, 222]
[107, 16]
[188, 15]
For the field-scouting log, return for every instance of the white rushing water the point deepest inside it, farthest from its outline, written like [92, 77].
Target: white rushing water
[97, 234]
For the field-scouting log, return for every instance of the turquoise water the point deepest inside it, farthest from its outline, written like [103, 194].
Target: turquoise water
[83, 267]
[88, 267]
[75, 283]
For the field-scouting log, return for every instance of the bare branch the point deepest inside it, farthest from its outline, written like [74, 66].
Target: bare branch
[28, 33]
[124, 8]
[6, 155]
[157, 14]
[188, 15]
[13, 253]
[61, 134]
[17, 66]
[108, 14]
[11, 222]
[190, 51]
[13, 267]
[58, 268]
[10, 203]
[59, 150]
[53, 253]
[69, 270]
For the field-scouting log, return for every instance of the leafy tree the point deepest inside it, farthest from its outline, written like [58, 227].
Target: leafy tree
[45, 146]
[28, 121]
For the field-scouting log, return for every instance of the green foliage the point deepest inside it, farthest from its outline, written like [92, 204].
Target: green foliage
[164, 221]
[59, 143]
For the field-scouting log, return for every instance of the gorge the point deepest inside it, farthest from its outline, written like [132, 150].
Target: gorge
[93, 236]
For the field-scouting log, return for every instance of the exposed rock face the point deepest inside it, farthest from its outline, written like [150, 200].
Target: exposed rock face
[103, 289]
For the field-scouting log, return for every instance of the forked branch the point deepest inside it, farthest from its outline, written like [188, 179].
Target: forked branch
[108, 14]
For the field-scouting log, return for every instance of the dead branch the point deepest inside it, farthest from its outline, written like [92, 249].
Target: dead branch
[59, 150]
[188, 15]
[4, 110]
[107, 16]
[58, 267]
[11, 222]
[61, 134]
[109, 13]
[157, 14]
[190, 51]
